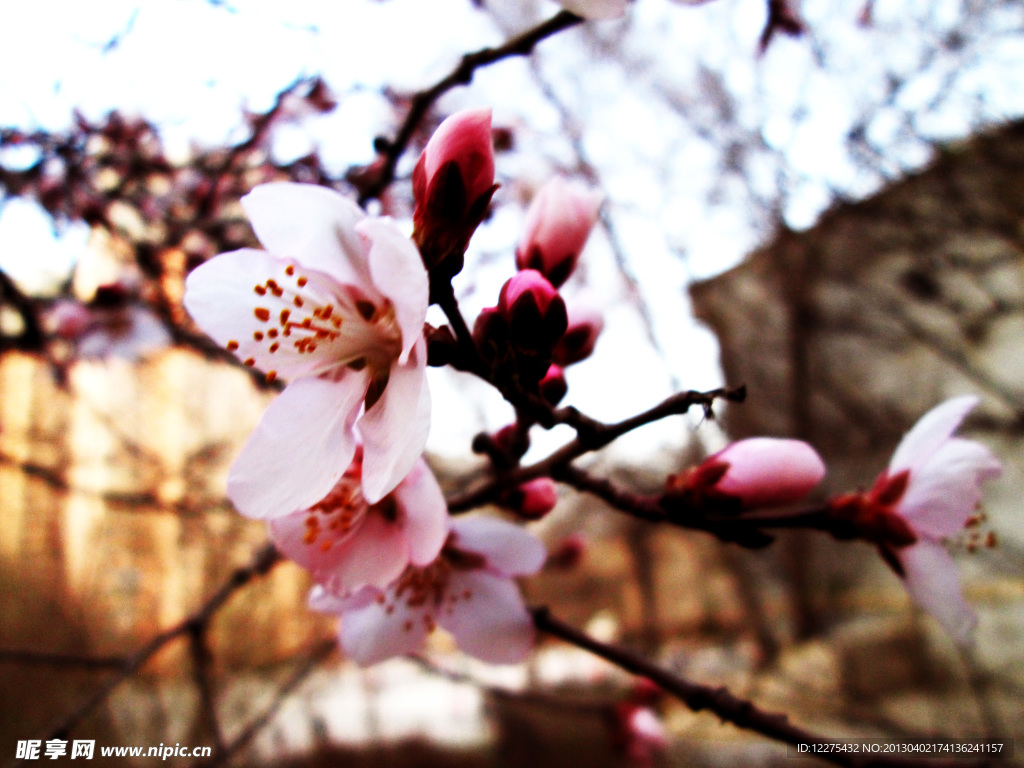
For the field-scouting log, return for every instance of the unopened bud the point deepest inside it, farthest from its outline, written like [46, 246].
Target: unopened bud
[558, 224]
[534, 311]
[585, 324]
[532, 500]
[453, 183]
[552, 386]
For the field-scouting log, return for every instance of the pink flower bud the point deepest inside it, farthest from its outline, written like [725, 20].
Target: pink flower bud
[585, 324]
[553, 386]
[750, 474]
[453, 183]
[534, 499]
[533, 309]
[558, 224]
[768, 472]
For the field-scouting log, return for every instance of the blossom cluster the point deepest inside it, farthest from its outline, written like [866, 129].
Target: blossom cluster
[334, 308]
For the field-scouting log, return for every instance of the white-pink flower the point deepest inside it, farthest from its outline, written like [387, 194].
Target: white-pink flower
[335, 306]
[348, 543]
[930, 490]
[468, 590]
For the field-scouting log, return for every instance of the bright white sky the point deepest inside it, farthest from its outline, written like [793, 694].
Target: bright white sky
[190, 66]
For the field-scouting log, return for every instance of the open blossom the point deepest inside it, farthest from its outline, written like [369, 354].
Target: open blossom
[348, 543]
[557, 227]
[334, 306]
[929, 491]
[468, 590]
[755, 473]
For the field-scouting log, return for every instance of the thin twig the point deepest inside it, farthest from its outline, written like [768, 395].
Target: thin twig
[724, 704]
[264, 559]
[521, 45]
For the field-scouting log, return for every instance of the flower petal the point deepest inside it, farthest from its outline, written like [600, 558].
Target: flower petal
[946, 491]
[395, 429]
[382, 629]
[933, 584]
[510, 549]
[426, 513]
[228, 298]
[373, 554]
[300, 448]
[313, 225]
[930, 432]
[398, 273]
[487, 616]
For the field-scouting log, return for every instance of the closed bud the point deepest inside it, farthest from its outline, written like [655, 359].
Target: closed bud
[585, 324]
[453, 183]
[755, 473]
[552, 386]
[534, 311]
[532, 500]
[558, 224]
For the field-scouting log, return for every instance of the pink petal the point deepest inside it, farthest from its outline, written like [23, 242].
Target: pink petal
[488, 618]
[322, 600]
[464, 138]
[220, 295]
[395, 429]
[311, 224]
[370, 634]
[930, 432]
[767, 472]
[426, 513]
[374, 553]
[300, 448]
[946, 490]
[399, 274]
[510, 549]
[933, 584]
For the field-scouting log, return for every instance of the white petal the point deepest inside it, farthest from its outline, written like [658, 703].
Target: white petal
[488, 617]
[510, 549]
[426, 513]
[399, 274]
[311, 224]
[930, 432]
[222, 298]
[370, 634]
[943, 493]
[395, 429]
[300, 448]
[933, 584]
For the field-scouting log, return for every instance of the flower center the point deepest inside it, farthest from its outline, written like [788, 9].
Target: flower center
[310, 313]
[428, 589]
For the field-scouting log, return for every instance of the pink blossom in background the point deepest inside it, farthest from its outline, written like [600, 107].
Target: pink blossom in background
[642, 735]
[347, 543]
[755, 473]
[113, 324]
[558, 224]
[468, 590]
[930, 490]
[596, 9]
[335, 306]
[585, 321]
